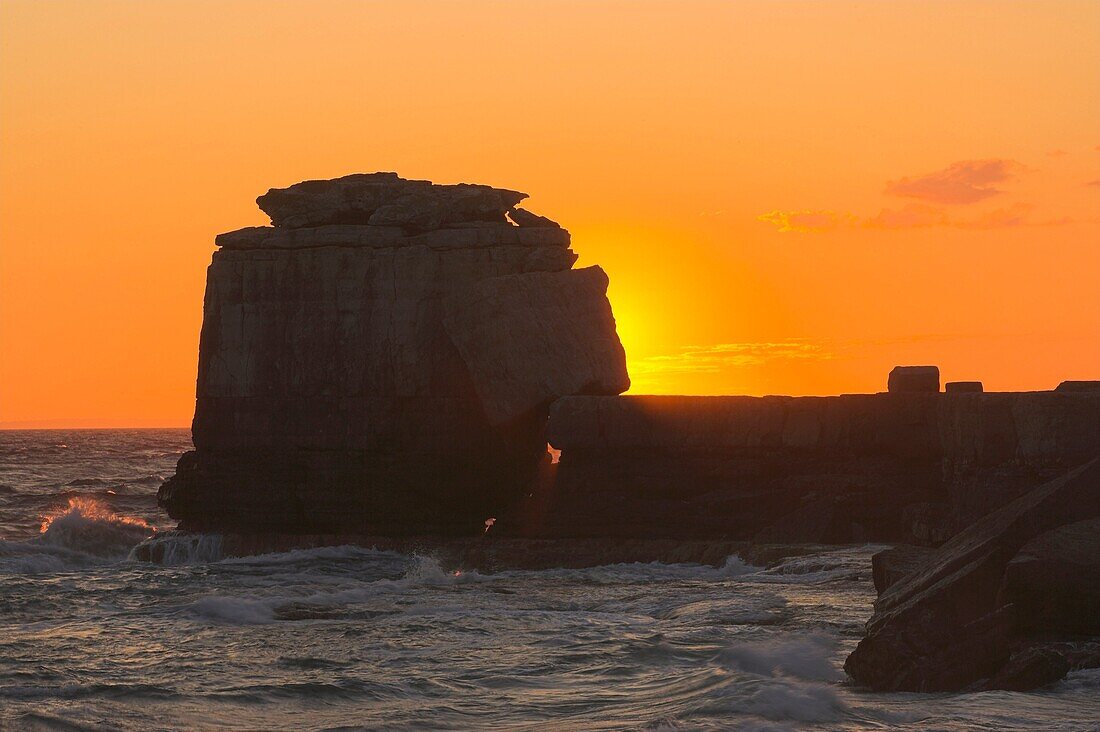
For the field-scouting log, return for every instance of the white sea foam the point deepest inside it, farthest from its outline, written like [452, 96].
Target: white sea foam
[805, 657]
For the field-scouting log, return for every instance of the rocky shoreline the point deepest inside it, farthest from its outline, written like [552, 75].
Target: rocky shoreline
[389, 362]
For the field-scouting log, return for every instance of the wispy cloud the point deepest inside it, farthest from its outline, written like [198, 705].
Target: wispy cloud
[1094, 182]
[967, 181]
[923, 216]
[913, 216]
[805, 221]
[715, 358]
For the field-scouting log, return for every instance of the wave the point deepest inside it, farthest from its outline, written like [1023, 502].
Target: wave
[807, 657]
[90, 526]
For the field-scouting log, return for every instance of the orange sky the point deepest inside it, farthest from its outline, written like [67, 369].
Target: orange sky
[788, 197]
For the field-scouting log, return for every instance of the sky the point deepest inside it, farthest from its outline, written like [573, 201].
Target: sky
[788, 197]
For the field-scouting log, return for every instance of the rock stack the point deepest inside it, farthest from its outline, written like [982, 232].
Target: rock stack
[383, 358]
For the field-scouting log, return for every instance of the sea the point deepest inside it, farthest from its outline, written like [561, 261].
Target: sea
[348, 638]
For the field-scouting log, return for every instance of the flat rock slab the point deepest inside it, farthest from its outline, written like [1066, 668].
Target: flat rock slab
[529, 339]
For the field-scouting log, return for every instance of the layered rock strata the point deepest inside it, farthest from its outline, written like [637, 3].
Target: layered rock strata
[331, 396]
[902, 467]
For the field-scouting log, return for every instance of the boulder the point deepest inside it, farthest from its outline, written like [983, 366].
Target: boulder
[891, 565]
[526, 219]
[963, 387]
[1054, 580]
[914, 378]
[529, 339]
[385, 199]
[946, 625]
[1029, 668]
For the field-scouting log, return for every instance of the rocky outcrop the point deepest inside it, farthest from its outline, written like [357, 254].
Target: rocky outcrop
[914, 378]
[1079, 386]
[952, 622]
[330, 395]
[903, 467]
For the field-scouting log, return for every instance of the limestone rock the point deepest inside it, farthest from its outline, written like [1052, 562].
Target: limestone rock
[385, 199]
[526, 219]
[330, 397]
[914, 378]
[963, 387]
[946, 625]
[531, 338]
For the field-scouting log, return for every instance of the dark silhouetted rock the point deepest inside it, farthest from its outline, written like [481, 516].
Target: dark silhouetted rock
[889, 566]
[914, 378]
[527, 219]
[1029, 668]
[385, 199]
[531, 338]
[1054, 580]
[946, 625]
[330, 397]
[963, 387]
[1079, 386]
[896, 468]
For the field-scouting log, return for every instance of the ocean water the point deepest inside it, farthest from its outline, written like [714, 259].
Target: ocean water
[350, 638]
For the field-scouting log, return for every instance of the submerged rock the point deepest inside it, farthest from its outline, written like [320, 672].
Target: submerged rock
[948, 624]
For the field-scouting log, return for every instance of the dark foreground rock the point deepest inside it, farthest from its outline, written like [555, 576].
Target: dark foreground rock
[951, 623]
[330, 396]
[890, 566]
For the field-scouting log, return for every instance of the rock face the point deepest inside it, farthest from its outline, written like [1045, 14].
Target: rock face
[330, 396]
[905, 467]
[1054, 580]
[914, 378]
[952, 622]
[529, 338]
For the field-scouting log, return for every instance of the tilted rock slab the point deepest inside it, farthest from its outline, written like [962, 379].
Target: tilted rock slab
[948, 625]
[529, 339]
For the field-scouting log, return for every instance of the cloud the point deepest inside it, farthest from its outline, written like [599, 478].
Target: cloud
[1057, 153]
[968, 181]
[715, 358]
[805, 221]
[912, 216]
[1094, 182]
[1001, 218]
